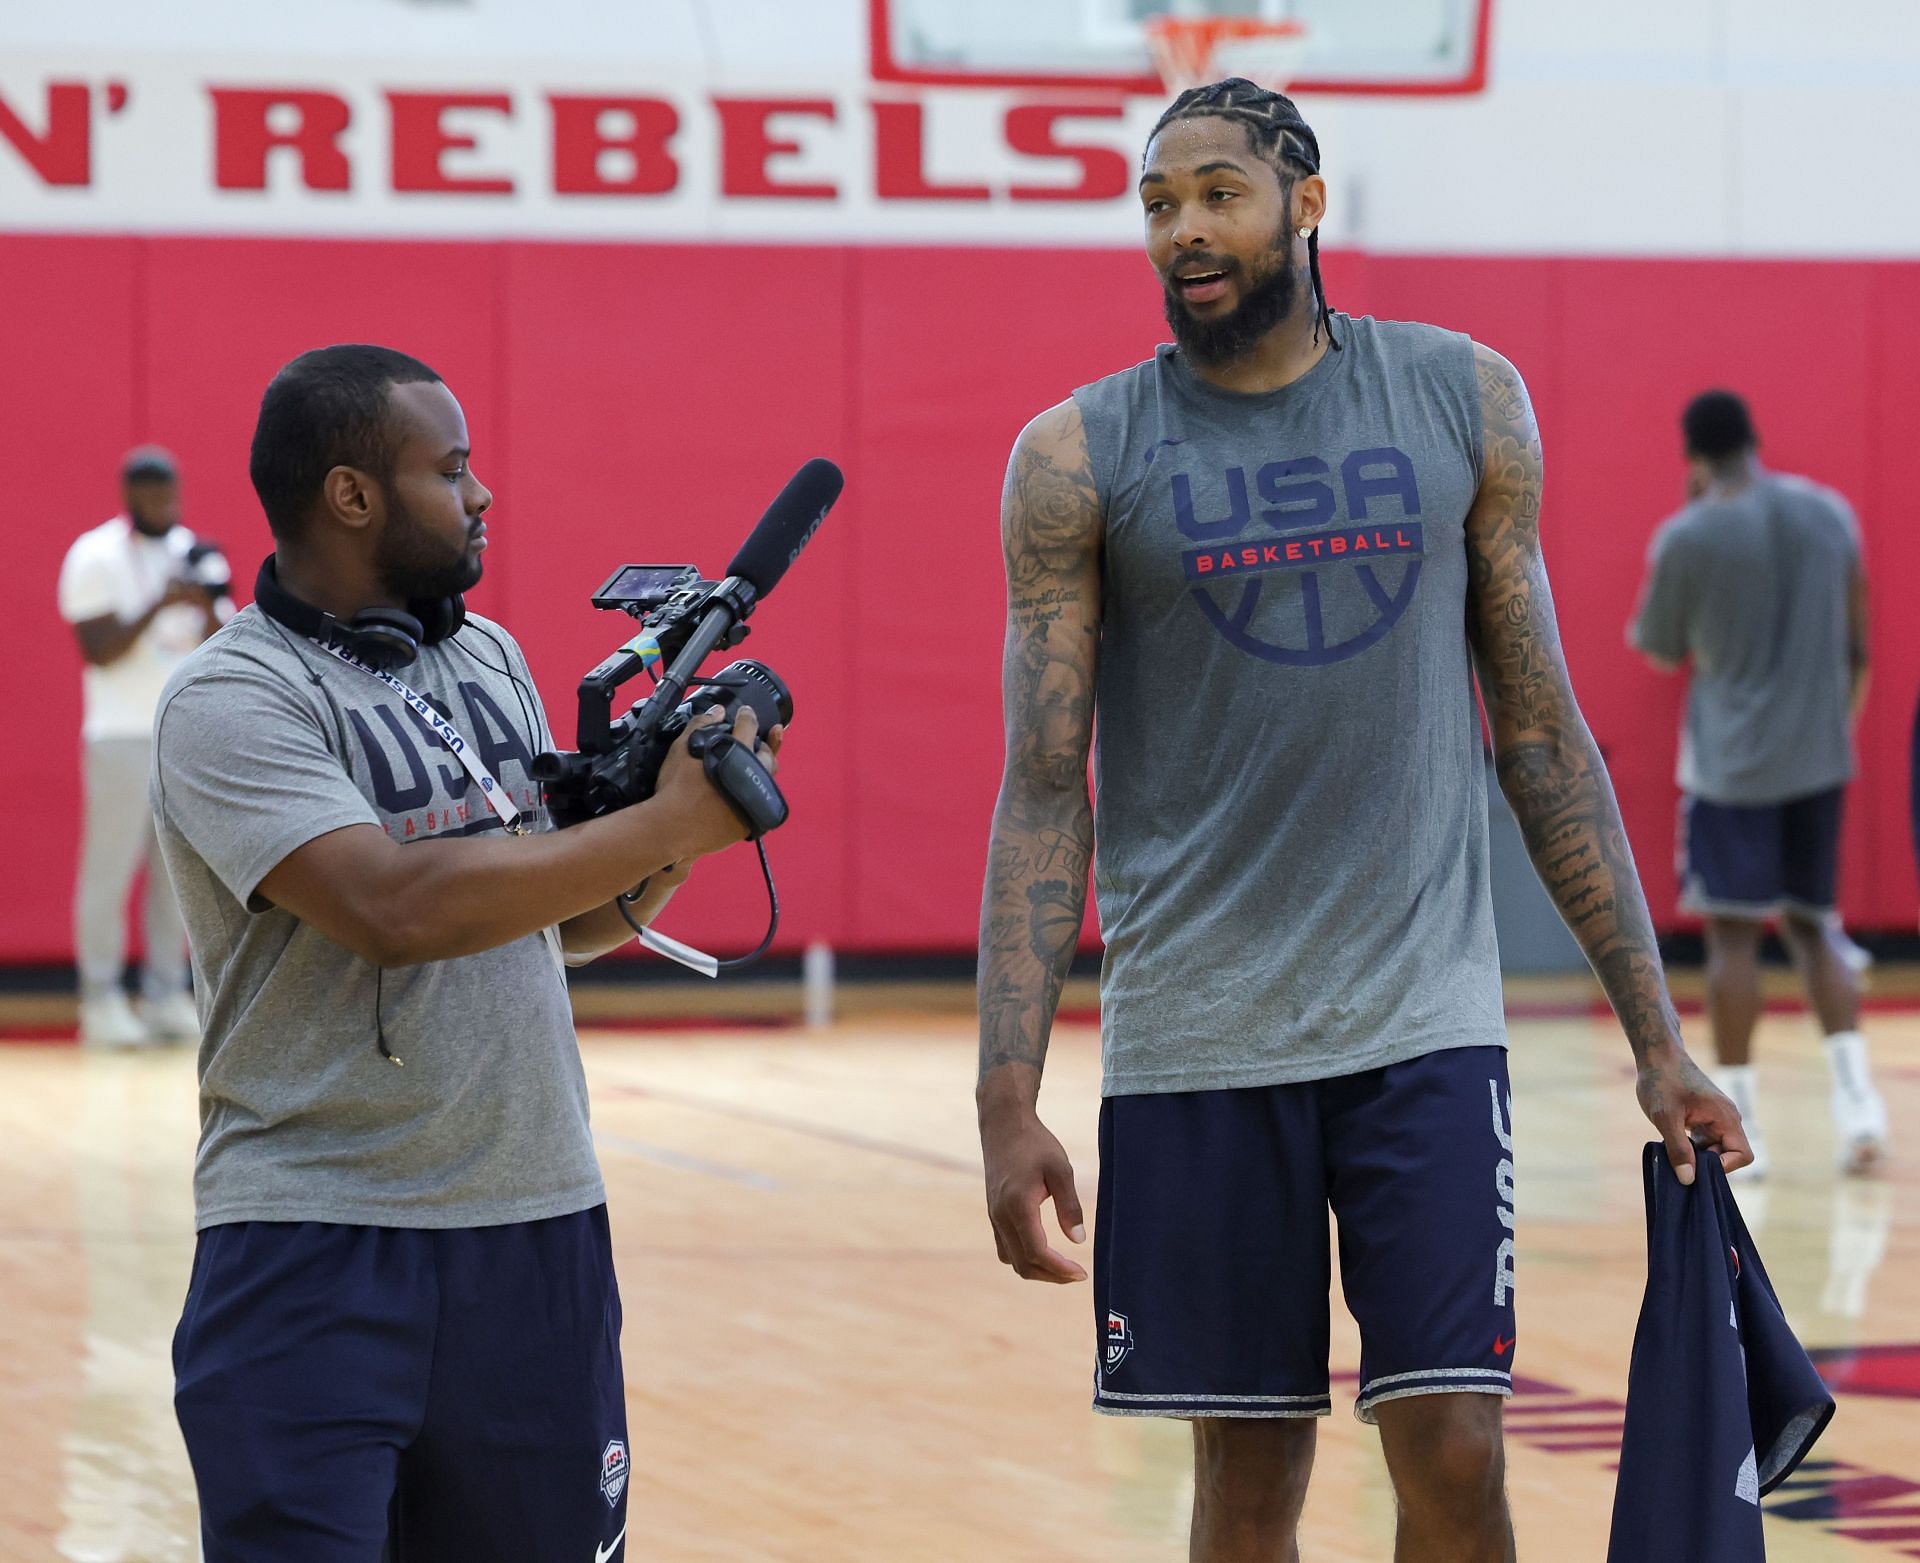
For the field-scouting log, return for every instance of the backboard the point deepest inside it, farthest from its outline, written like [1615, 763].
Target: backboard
[1356, 46]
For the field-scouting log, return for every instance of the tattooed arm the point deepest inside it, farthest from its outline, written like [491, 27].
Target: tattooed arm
[1042, 829]
[1553, 777]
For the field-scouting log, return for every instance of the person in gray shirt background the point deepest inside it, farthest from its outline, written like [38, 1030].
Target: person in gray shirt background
[1758, 588]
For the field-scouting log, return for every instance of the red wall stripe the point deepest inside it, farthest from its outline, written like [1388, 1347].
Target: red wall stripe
[644, 402]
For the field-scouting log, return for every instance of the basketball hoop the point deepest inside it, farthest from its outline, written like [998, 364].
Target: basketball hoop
[1190, 51]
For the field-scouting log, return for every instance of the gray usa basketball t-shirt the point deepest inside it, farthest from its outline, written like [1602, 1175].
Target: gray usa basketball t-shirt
[1290, 790]
[263, 743]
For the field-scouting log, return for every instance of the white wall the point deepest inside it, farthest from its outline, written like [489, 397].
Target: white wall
[1711, 127]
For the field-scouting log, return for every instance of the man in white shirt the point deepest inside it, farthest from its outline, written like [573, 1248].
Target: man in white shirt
[127, 587]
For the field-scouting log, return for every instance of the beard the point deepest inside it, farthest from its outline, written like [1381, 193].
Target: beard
[143, 523]
[413, 563]
[1227, 337]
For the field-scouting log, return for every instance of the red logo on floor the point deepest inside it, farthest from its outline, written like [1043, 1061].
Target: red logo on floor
[1835, 1496]
[1890, 1371]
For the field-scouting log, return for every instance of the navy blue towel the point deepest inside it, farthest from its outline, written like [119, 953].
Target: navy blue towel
[1722, 1402]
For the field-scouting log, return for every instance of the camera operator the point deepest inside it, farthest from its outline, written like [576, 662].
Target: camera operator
[134, 591]
[403, 1298]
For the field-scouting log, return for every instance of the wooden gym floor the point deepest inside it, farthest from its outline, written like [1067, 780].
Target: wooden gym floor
[824, 1361]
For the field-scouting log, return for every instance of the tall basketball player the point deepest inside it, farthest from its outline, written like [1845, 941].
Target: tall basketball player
[1270, 557]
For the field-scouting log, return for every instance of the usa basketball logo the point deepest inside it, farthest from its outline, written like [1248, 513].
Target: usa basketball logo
[1119, 1340]
[613, 1471]
[1307, 593]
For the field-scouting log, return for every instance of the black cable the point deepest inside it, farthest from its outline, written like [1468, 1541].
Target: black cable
[773, 912]
[314, 678]
[340, 726]
[627, 898]
[380, 1030]
[520, 690]
[527, 712]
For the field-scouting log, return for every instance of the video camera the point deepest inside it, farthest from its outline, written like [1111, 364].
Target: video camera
[683, 619]
[205, 565]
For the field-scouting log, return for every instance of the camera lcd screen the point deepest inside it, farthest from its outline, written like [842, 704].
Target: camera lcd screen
[644, 583]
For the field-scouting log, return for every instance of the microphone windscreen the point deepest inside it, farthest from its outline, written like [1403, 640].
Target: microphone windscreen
[793, 517]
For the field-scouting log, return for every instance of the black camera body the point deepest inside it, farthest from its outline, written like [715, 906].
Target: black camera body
[682, 618]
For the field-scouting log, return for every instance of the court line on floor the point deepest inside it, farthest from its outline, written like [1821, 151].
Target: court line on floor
[679, 1161]
[800, 1126]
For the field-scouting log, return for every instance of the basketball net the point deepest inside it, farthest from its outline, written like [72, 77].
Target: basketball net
[1190, 51]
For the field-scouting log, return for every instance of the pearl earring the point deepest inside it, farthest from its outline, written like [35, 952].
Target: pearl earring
[1306, 233]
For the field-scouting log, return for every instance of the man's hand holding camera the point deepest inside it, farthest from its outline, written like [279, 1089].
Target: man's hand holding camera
[192, 594]
[684, 784]
[106, 638]
[189, 594]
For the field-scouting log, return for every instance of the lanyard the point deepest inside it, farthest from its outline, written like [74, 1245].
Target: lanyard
[491, 791]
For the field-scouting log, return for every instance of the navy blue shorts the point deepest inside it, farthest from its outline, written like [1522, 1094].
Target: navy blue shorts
[1211, 1265]
[1761, 859]
[351, 1394]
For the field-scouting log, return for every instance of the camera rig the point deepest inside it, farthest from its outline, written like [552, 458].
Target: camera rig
[683, 619]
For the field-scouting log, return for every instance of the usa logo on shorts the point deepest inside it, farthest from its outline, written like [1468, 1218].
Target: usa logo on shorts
[613, 1471]
[1119, 1339]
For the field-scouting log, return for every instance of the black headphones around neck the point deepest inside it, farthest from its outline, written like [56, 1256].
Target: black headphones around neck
[382, 637]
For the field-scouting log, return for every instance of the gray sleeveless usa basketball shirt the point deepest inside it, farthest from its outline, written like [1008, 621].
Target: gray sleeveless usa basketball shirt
[1290, 794]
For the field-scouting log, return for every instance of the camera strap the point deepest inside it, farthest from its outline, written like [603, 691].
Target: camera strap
[491, 792]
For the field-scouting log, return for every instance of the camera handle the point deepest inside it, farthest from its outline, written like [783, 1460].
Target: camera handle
[721, 624]
[738, 776]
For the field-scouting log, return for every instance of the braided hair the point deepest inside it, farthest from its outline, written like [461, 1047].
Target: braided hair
[1278, 134]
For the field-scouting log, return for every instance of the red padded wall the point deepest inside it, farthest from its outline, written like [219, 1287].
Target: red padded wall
[1887, 411]
[644, 402]
[656, 400]
[71, 402]
[956, 350]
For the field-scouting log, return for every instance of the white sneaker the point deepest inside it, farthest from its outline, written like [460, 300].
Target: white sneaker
[1859, 1114]
[172, 1019]
[109, 1021]
[1856, 960]
[1859, 1129]
[1738, 1081]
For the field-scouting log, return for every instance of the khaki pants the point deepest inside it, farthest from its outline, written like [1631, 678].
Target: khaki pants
[119, 840]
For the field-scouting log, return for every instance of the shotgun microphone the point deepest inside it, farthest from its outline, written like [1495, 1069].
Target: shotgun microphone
[790, 522]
